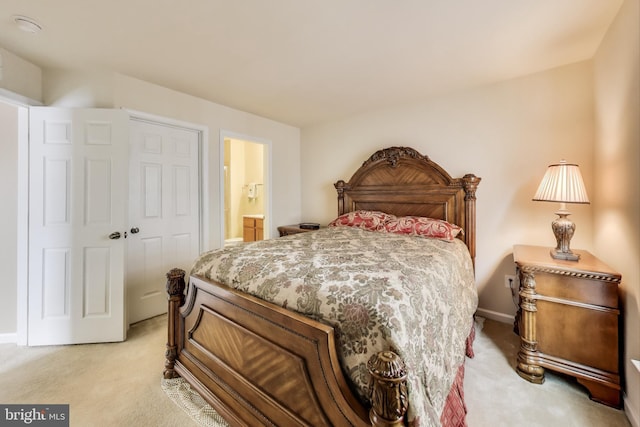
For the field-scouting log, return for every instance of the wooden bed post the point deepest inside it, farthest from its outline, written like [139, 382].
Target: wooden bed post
[470, 184]
[388, 389]
[175, 289]
[340, 185]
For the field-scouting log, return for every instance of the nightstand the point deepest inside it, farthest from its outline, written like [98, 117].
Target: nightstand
[568, 320]
[285, 230]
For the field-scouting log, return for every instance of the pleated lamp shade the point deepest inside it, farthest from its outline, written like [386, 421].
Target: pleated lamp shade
[562, 183]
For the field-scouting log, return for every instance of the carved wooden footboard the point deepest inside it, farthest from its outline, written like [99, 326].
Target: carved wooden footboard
[259, 364]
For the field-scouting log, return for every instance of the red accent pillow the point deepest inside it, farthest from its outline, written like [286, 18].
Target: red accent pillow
[422, 226]
[369, 220]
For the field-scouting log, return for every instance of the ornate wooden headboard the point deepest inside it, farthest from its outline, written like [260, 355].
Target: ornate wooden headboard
[401, 181]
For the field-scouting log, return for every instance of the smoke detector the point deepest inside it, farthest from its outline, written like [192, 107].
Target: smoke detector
[26, 24]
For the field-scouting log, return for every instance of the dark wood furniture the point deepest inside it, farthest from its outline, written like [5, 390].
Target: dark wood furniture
[259, 364]
[568, 320]
[286, 230]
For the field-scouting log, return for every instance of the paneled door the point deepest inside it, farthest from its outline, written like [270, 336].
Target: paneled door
[78, 182]
[164, 212]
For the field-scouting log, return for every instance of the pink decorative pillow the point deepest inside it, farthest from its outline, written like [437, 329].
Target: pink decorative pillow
[422, 226]
[369, 220]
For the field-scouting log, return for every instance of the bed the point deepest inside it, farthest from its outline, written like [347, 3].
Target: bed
[261, 361]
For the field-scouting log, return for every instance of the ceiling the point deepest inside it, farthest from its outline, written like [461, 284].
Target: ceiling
[303, 61]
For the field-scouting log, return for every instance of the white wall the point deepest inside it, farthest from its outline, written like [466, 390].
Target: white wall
[79, 89]
[8, 216]
[19, 76]
[617, 169]
[506, 133]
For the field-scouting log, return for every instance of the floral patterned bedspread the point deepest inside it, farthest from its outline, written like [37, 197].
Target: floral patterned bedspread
[378, 290]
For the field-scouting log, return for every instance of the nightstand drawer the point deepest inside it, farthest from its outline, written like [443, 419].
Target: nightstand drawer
[578, 289]
[582, 335]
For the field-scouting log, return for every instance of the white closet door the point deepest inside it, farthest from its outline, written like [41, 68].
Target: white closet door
[77, 199]
[164, 214]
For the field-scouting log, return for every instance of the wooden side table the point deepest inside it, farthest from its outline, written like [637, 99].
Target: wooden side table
[568, 320]
[285, 230]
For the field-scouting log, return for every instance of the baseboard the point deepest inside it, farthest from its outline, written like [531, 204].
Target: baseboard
[631, 412]
[494, 315]
[8, 338]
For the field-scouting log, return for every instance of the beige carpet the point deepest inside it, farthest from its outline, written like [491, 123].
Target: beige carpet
[496, 396]
[104, 384]
[120, 384]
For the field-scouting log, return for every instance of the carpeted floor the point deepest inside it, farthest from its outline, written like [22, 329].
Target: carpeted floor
[120, 384]
[114, 384]
[496, 396]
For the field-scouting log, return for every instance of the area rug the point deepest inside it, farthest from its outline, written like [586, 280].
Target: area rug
[181, 393]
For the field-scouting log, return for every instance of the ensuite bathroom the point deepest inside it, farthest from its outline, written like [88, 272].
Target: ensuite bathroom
[244, 191]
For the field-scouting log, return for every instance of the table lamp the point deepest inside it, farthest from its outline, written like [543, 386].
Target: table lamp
[562, 183]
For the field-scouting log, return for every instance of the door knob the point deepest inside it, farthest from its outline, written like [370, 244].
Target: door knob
[115, 235]
[135, 230]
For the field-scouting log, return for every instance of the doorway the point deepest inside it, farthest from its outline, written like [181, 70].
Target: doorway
[245, 188]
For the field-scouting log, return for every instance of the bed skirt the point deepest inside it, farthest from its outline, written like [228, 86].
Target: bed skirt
[454, 413]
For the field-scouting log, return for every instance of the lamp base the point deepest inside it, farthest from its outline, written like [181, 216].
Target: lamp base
[563, 228]
[567, 256]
